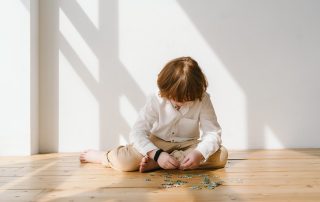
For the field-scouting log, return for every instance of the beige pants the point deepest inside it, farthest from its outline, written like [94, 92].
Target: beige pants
[127, 158]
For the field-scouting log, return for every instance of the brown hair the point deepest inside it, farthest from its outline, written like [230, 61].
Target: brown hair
[182, 80]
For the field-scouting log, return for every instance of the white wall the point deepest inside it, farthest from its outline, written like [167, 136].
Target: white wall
[99, 60]
[18, 77]
[261, 59]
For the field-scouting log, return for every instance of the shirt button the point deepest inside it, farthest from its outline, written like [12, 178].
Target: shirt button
[172, 133]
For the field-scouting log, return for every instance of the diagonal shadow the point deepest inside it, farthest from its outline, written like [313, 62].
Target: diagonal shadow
[114, 79]
[273, 56]
[81, 68]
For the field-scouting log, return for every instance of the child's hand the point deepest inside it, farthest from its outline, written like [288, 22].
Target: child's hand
[192, 160]
[166, 161]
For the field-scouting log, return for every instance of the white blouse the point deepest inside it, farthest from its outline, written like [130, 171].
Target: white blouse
[160, 118]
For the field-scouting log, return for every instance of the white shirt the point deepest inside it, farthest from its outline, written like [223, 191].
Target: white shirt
[160, 118]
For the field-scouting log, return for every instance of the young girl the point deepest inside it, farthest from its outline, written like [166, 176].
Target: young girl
[166, 132]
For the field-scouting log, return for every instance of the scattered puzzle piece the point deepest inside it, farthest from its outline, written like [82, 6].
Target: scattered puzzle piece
[173, 180]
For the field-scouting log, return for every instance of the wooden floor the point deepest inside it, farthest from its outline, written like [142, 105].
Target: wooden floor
[256, 175]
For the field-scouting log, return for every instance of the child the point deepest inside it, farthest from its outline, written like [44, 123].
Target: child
[166, 132]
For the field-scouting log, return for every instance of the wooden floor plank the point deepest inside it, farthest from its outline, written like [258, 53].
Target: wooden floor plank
[244, 193]
[252, 175]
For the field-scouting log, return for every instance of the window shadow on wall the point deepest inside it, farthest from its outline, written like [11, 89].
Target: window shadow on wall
[114, 80]
[272, 50]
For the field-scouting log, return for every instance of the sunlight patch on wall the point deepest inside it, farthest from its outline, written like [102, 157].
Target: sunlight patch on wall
[170, 33]
[78, 111]
[229, 101]
[91, 9]
[79, 45]
[271, 140]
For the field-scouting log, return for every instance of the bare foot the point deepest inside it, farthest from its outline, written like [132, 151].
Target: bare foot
[91, 156]
[148, 164]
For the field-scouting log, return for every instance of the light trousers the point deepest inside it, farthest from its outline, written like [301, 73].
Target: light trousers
[127, 158]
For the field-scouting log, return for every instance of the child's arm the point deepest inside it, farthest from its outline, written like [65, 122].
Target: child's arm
[141, 129]
[211, 137]
[210, 140]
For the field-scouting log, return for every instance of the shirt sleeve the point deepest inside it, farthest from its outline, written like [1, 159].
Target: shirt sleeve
[211, 130]
[141, 129]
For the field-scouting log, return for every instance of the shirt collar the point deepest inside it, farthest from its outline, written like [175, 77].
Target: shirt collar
[183, 109]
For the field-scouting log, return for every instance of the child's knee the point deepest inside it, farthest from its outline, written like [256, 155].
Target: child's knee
[219, 158]
[224, 155]
[124, 159]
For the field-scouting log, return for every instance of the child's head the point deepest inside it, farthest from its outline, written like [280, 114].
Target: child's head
[182, 80]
